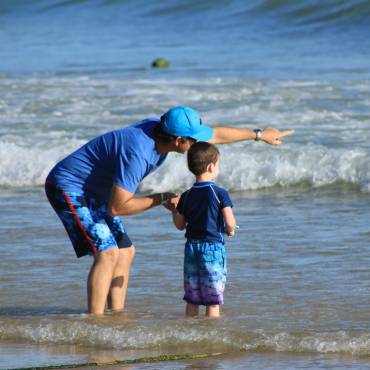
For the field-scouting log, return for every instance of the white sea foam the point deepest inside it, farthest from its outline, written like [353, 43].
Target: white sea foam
[330, 118]
[336, 342]
[245, 166]
[28, 166]
[169, 335]
[251, 167]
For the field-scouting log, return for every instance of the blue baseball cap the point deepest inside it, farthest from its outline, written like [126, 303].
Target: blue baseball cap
[185, 122]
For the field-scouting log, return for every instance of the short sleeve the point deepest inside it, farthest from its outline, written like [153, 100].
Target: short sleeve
[181, 204]
[130, 171]
[225, 200]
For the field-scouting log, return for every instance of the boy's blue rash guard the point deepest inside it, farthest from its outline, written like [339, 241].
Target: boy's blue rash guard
[202, 207]
[124, 157]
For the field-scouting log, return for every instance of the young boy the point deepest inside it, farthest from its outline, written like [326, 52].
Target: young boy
[205, 211]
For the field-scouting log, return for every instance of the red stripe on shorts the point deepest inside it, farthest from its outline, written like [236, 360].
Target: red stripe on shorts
[92, 246]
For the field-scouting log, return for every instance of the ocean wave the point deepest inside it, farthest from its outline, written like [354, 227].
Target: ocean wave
[293, 12]
[330, 119]
[23, 165]
[243, 167]
[317, 12]
[169, 336]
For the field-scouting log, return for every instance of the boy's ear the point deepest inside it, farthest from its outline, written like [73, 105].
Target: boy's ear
[210, 167]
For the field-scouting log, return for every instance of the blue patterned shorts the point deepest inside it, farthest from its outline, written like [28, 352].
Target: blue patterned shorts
[204, 273]
[89, 225]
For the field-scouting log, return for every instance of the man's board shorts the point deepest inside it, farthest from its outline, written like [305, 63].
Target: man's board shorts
[88, 224]
[204, 272]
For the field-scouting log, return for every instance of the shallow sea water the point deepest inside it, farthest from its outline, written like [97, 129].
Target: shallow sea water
[297, 294]
[297, 289]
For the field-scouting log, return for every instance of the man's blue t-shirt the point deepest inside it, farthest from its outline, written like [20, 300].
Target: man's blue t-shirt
[124, 157]
[202, 207]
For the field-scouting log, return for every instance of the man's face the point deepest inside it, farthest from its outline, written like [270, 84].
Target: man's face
[184, 144]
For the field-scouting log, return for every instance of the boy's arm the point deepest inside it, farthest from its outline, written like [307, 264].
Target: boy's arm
[230, 223]
[223, 135]
[178, 220]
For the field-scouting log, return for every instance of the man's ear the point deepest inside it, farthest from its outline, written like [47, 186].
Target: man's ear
[177, 141]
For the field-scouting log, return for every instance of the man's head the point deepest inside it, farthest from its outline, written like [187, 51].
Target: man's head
[203, 157]
[185, 122]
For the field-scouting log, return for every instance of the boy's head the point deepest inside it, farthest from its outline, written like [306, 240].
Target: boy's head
[200, 156]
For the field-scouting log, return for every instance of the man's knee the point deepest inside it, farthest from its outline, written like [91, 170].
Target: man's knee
[127, 253]
[132, 251]
[110, 255]
[126, 256]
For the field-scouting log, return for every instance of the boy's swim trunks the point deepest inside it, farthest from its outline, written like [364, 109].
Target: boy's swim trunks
[88, 223]
[204, 272]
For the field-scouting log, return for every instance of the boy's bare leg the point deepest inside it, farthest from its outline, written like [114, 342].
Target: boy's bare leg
[100, 278]
[213, 311]
[118, 288]
[191, 310]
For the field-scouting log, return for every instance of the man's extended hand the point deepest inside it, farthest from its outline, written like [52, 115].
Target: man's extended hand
[273, 136]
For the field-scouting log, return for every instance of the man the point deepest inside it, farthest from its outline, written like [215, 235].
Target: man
[94, 185]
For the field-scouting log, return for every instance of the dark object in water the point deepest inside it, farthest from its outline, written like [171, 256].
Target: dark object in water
[160, 63]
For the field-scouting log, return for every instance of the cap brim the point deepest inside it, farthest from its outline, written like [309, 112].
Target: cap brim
[204, 134]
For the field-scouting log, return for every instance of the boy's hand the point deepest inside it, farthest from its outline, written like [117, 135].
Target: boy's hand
[171, 203]
[231, 232]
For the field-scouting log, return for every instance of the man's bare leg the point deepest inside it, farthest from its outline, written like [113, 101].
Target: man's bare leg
[100, 278]
[118, 288]
[191, 310]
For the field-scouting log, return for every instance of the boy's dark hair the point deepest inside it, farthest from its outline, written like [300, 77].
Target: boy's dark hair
[200, 155]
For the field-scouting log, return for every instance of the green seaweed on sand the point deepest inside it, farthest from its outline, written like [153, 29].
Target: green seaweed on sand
[160, 358]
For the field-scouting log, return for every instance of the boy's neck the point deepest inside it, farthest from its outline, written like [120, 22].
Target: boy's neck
[204, 177]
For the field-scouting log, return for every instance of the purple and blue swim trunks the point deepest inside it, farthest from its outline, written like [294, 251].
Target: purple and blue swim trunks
[204, 272]
[89, 225]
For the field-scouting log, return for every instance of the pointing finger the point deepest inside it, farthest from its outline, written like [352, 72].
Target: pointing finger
[286, 133]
